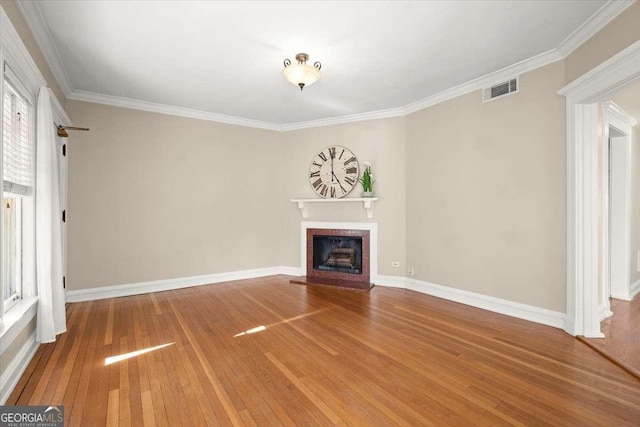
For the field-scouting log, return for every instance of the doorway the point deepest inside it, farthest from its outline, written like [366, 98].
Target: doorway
[615, 248]
[619, 189]
[583, 193]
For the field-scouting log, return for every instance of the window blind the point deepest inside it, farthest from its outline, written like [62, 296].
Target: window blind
[17, 145]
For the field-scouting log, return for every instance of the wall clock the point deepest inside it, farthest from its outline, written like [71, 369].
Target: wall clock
[333, 172]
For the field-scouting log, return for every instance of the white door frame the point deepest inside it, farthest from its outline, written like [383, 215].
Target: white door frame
[616, 205]
[582, 97]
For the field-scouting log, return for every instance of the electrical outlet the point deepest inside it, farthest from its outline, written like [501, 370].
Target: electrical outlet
[410, 271]
[395, 264]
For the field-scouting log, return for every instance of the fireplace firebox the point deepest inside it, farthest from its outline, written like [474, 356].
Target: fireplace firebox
[337, 253]
[338, 257]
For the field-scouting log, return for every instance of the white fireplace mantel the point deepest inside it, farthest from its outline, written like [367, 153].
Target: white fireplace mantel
[368, 202]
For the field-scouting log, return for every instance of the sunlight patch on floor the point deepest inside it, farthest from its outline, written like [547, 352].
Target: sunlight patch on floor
[125, 356]
[251, 331]
[291, 319]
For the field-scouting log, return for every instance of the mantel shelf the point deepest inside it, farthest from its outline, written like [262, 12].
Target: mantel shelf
[368, 202]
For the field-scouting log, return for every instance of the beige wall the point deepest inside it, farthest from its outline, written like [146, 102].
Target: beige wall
[21, 26]
[486, 211]
[620, 33]
[153, 196]
[628, 98]
[379, 141]
[486, 193]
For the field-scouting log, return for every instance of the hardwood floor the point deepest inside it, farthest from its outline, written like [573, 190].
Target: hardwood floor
[622, 335]
[266, 352]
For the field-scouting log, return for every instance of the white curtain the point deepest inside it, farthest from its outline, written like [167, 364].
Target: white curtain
[51, 299]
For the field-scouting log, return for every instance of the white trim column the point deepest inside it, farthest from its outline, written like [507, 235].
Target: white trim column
[582, 216]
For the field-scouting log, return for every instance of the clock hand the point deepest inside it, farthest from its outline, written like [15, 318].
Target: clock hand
[333, 175]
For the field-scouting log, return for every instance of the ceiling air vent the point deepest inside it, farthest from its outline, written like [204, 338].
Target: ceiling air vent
[500, 90]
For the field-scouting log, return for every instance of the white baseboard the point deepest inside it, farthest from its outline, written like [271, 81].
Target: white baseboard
[390, 281]
[105, 292]
[628, 293]
[634, 289]
[291, 271]
[11, 375]
[604, 312]
[497, 305]
[570, 326]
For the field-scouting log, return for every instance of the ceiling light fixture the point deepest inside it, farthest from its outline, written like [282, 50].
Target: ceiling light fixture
[301, 74]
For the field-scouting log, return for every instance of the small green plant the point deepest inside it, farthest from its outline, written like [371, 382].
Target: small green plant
[367, 178]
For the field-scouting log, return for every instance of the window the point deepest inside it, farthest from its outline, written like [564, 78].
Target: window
[17, 199]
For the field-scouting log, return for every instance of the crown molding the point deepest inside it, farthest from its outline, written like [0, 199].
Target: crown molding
[117, 101]
[35, 18]
[591, 26]
[499, 76]
[359, 117]
[32, 13]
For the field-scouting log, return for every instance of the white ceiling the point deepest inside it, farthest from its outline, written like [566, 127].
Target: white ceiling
[226, 57]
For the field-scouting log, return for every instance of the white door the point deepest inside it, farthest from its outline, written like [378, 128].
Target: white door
[61, 154]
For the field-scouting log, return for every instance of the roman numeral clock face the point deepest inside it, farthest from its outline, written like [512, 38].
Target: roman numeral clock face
[333, 172]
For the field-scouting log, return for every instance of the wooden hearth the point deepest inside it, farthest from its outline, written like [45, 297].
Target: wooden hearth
[340, 257]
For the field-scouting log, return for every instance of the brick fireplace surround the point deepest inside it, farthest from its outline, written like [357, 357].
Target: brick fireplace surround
[361, 281]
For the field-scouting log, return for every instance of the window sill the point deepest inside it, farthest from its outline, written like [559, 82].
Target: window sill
[16, 319]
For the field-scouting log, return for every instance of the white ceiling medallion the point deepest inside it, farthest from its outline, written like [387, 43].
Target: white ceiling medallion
[301, 74]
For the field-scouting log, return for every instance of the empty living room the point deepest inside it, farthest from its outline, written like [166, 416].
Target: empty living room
[314, 213]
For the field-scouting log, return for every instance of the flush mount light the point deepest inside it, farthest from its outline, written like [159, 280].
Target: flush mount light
[301, 74]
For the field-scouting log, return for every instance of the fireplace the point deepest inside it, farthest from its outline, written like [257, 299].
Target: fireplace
[338, 257]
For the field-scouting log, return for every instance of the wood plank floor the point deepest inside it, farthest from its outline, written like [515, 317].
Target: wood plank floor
[266, 352]
[622, 334]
